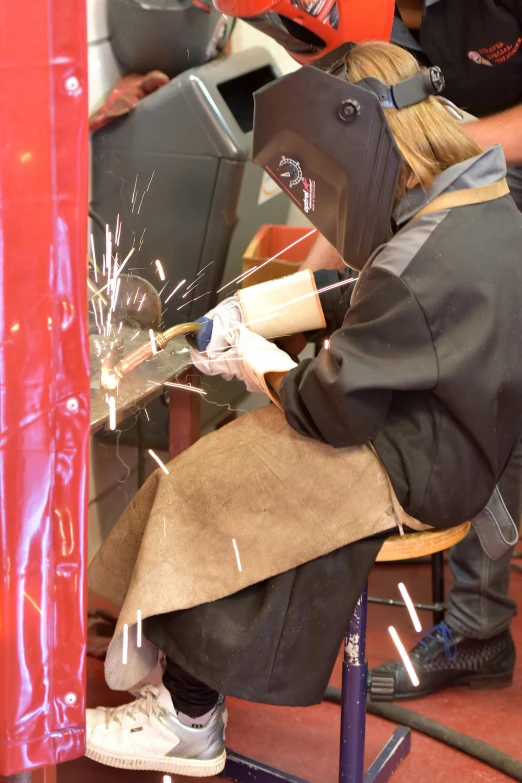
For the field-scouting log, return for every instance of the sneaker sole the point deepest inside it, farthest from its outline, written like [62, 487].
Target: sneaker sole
[192, 768]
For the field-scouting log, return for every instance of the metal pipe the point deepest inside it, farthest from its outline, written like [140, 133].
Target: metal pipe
[112, 374]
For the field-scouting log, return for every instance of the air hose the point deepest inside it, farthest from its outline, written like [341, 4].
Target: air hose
[475, 748]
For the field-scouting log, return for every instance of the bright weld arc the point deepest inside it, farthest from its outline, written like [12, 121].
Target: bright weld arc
[313, 231]
[125, 651]
[138, 630]
[159, 267]
[176, 289]
[237, 554]
[326, 345]
[404, 655]
[160, 463]
[410, 607]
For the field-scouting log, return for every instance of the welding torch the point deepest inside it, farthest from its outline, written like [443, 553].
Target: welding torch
[112, 373]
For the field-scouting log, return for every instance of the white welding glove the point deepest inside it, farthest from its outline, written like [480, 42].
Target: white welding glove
[215, 359]
[258, 358]
[242, 354]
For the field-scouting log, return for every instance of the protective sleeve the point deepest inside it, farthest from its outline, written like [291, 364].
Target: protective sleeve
[343, 396]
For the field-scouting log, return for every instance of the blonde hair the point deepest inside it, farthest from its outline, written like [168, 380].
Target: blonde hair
[429, 138]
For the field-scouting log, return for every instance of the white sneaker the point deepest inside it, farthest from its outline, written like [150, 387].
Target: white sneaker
[146, 734]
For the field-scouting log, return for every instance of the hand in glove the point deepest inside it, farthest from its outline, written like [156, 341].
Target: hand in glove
[215, 338]
[228, 310]
[236, 352]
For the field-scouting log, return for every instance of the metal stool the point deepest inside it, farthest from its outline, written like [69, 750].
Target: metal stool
[355, 685]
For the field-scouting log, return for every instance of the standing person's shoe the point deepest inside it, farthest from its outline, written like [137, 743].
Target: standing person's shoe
[445, 658]
[146, 734]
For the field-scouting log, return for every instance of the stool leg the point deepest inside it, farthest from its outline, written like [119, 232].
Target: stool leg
[437, 584]
[353, 703]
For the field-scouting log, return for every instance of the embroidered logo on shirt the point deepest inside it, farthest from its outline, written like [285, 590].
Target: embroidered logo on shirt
[496, 54]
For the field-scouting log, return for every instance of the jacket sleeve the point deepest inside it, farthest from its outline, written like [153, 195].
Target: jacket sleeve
[334, 301]
[343, 396]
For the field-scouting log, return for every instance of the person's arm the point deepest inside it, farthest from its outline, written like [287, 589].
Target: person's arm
[343, 396]
[504, 128]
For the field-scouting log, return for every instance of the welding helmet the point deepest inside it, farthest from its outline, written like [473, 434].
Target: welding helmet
[309, 29]
[166, 35]
[328, 145]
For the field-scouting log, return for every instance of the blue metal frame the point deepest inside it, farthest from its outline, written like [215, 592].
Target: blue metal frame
[241, 769]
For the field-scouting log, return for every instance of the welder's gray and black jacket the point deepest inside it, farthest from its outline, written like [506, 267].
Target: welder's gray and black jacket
[425, 362]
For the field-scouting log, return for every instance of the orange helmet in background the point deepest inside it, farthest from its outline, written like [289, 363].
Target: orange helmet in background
[311, 29]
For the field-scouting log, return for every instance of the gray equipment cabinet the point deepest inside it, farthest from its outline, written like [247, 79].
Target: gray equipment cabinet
[177, 171]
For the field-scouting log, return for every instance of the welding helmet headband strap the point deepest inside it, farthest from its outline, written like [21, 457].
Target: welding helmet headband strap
[429, 81]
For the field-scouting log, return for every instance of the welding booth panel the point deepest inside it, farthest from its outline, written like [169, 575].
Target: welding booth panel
[44, 381]
[177, 171]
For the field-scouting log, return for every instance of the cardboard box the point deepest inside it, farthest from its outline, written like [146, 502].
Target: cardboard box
[270, 241]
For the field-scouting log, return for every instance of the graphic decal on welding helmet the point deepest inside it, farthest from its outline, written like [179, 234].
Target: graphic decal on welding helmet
[290, 173]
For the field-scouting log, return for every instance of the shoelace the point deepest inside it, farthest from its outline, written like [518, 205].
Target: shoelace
[144, 704]
[444, 631]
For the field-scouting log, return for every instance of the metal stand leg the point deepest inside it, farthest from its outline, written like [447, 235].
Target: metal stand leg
[437, 584]
[353, 704]
[241, 769]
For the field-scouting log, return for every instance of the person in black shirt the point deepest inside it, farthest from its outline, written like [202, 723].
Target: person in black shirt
[478, 46]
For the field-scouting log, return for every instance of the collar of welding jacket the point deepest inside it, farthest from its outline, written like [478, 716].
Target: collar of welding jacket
[483, 169]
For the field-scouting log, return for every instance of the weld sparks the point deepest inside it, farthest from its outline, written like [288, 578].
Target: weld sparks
[176, 289]
[138, 629]
[153, 342]
[237, 555]
[159, 268]
[187, 386]
[404, 655]
[125, 651]
[257, 268]
[160, 463]
[410, 607]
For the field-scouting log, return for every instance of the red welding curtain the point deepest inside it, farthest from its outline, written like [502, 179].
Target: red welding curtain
[44, 380]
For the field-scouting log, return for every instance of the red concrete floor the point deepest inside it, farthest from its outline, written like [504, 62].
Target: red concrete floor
[306, 741]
